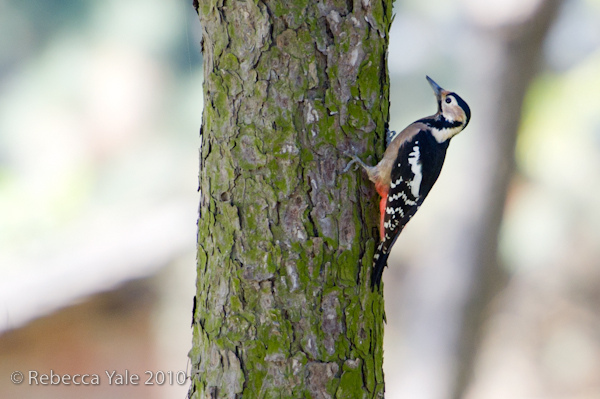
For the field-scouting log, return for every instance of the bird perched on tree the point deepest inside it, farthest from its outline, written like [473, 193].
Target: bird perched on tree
[409, 168]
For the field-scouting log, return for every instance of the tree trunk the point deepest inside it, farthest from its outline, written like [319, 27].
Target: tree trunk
[285, 241]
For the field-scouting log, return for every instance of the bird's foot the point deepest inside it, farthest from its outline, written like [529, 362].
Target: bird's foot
[355, 160]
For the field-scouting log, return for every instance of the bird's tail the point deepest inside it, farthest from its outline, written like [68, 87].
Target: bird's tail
[379, 263]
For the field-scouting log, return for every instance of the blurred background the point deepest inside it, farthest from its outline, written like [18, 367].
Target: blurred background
[497, 279]
[100, 105]
[496, 284]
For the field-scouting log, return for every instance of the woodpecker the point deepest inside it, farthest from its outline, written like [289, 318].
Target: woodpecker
[409, 168]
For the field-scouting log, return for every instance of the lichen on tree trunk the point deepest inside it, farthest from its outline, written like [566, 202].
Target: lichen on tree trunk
[285, 240]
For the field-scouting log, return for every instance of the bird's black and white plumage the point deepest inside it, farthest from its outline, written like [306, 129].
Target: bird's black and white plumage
[409, 168]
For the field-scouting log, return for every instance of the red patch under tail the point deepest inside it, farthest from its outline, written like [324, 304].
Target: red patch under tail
[383, 192]
[382, 205]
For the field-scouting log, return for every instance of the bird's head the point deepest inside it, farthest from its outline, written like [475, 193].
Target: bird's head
[453, 112]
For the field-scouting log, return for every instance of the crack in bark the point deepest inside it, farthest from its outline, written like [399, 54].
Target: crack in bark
[278, 296]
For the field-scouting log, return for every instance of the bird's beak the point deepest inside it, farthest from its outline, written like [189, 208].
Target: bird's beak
[436, 88]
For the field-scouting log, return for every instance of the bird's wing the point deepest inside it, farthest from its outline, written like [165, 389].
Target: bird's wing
[403, 199]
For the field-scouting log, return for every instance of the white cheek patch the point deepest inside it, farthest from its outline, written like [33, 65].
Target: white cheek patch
[415, 166]
[448, 114]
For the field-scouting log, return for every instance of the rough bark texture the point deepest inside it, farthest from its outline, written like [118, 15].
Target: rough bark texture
[285, 241]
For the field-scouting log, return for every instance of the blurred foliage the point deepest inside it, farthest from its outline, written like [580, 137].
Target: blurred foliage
[558, 153]
[99, 105]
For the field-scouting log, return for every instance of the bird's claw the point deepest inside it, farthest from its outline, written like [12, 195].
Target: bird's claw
[353, 161]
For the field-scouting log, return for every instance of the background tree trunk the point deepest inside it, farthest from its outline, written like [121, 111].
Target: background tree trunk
[445, 294]
[285, 242]
[518, 50]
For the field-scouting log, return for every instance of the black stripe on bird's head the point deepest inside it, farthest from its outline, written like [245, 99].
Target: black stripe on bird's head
[464, 106]
[451, 107]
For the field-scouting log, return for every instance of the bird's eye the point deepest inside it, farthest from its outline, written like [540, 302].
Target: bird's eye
[448, 100]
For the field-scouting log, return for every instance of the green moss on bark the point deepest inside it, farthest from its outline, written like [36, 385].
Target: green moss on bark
[285, 240]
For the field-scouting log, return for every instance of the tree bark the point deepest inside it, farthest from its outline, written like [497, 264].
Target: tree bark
[285, 241]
